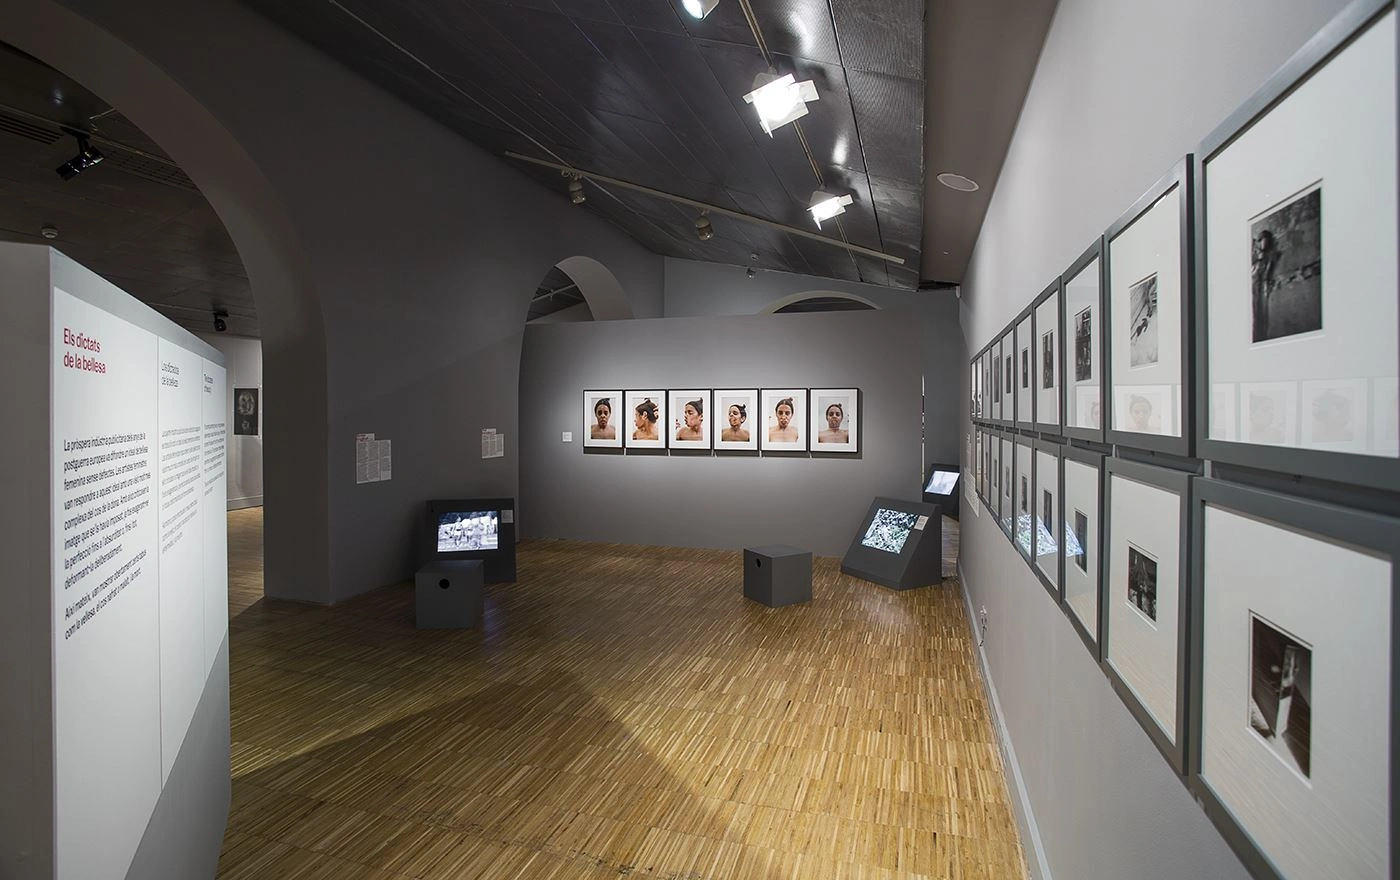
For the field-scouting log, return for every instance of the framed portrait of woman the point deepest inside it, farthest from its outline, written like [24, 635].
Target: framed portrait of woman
[600, 427]
[689, 427]
[644, 424]
[736, 414]
[784, 420]
[835, 420]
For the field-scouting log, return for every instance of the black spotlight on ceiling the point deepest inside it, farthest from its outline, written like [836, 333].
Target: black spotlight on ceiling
[703, 228]
[220, 325]
[576, 193]
[88, 156]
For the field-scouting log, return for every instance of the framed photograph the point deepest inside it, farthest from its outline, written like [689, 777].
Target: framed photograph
[835, 419]
[1269, 413]
[1025, 498]
[736, 415]
[645, 423]
[1144, 591]
[984, 387]
[974, 381]
[247, 410]
[1046, 516]
[1081, 365]
[1081, 543]
[690, 419]
[1008, 377]
[1147, 260]
[1006, 503]
[1027, 369]
[1297, 277]
[979, 470]
[995, 353]
[1293, 665]
[784, 422]
[994, 474]
[1048, 333]
[600, 427]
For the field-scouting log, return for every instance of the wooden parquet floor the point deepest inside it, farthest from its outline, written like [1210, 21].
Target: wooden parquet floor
[623, 711]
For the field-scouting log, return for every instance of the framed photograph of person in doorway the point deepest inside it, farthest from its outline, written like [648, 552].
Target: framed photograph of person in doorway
[1294, 686]
[784, 422]
[600, 419]
[1145, 625]
[736, 418]
[644, 423]
[835, 419]
[1049, 335]
[1147, 302]
[691, 418]
[1082, 361]
[1297, 275]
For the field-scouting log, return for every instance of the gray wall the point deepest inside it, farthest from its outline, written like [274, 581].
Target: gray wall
[730, 500]
[1122, 90]
[694, 288]
[392, 296]
[243, 360]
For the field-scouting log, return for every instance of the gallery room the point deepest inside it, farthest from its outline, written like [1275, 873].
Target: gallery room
[699, 439]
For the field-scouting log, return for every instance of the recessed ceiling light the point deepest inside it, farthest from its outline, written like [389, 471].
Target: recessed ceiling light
[699, 8]
[958, 182]
[780, 99]
[824, 206]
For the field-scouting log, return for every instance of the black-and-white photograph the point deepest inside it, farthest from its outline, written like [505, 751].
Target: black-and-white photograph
[1047, 509]
[1079, 550]
[1285, 267]
[1142, 582]
[1334, 414]
[1025, 493]
[1267, 414]
[1010, 374]
[245, 411]
[1026, 367]
[1142, 335]
[1280, 693]
[1083, 342]
[996, 380]
[1047, 359]
[889, 529]
[467, 530]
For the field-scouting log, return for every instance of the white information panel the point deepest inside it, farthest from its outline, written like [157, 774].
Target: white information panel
[139, 551]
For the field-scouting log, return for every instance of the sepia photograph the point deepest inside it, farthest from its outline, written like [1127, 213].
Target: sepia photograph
[1285, 268]
[1047, 359]
[644, 425]
[1280, 693]
[1142, 582]
[1268, 413]
[1079, 548]
[1142, 333]
[1143, 409]
[1334, 414]
[1083, 345]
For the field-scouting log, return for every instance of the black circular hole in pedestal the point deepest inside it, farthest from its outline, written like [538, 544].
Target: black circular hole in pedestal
[758, 562]
[444, 584]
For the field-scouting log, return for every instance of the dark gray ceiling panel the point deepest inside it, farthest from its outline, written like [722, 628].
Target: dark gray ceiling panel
[882, 36]
[890, 111]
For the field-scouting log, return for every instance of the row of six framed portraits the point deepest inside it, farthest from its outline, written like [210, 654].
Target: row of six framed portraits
[777, 424]
[1249, 632]
[1267, 261]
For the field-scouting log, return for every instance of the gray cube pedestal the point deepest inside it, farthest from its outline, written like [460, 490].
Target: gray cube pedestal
[449, 595]
[777, 575]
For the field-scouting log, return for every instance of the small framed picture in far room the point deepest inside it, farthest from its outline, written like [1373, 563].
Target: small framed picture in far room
[600, 427]
[784, 423]
[247, 406]
[690, 426]
[644, 420]
[835, 419]
[736, 419]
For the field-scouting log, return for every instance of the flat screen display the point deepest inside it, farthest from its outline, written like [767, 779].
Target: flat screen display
[889, 529]
[941, 483]
[467, 530]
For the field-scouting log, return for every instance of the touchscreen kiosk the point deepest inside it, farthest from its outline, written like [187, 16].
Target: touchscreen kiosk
[899, 544]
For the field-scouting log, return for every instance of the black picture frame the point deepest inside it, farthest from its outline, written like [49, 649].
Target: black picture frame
[1053, 587]
[1022, 497]
[1040, 423]
[1178, 483]
[1006, 495]
[1181, 177]
[1340, 466]
[1357, 530]
[1025, 363]
[1090, 261]
[1093, 641]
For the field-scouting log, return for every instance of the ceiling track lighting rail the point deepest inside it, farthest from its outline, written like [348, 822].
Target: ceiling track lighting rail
[707, 207]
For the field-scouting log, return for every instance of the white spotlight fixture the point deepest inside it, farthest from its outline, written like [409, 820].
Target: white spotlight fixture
[780, 99]
[703, 229]
[576, 193]
[824, 206]
[699, 8]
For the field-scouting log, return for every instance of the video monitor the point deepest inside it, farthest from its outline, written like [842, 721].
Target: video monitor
[941, 482]
[889, 529]
[468, 530]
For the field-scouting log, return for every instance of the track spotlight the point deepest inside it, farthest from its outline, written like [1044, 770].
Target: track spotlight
[576, 193]
[88, 156]
[703, 228]
[699, 8]
[220, 325]
[780, 99]
[824, 206]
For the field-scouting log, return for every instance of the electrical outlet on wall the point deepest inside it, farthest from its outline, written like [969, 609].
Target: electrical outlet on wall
[982, 618]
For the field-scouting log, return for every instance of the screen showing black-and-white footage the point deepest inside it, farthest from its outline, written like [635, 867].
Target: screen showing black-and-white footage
[942, 483]
[467, 530]
[889, 529]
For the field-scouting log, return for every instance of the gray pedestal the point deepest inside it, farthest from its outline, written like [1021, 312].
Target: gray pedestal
[449, 595]
[777, 575]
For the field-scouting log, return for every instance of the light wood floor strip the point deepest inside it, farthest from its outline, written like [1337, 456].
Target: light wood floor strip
[622, 711]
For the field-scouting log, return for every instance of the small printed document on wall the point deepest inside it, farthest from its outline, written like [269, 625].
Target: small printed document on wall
[373, 459]
[493, 444]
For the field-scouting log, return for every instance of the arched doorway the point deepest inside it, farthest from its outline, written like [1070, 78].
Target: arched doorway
[818, 301]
